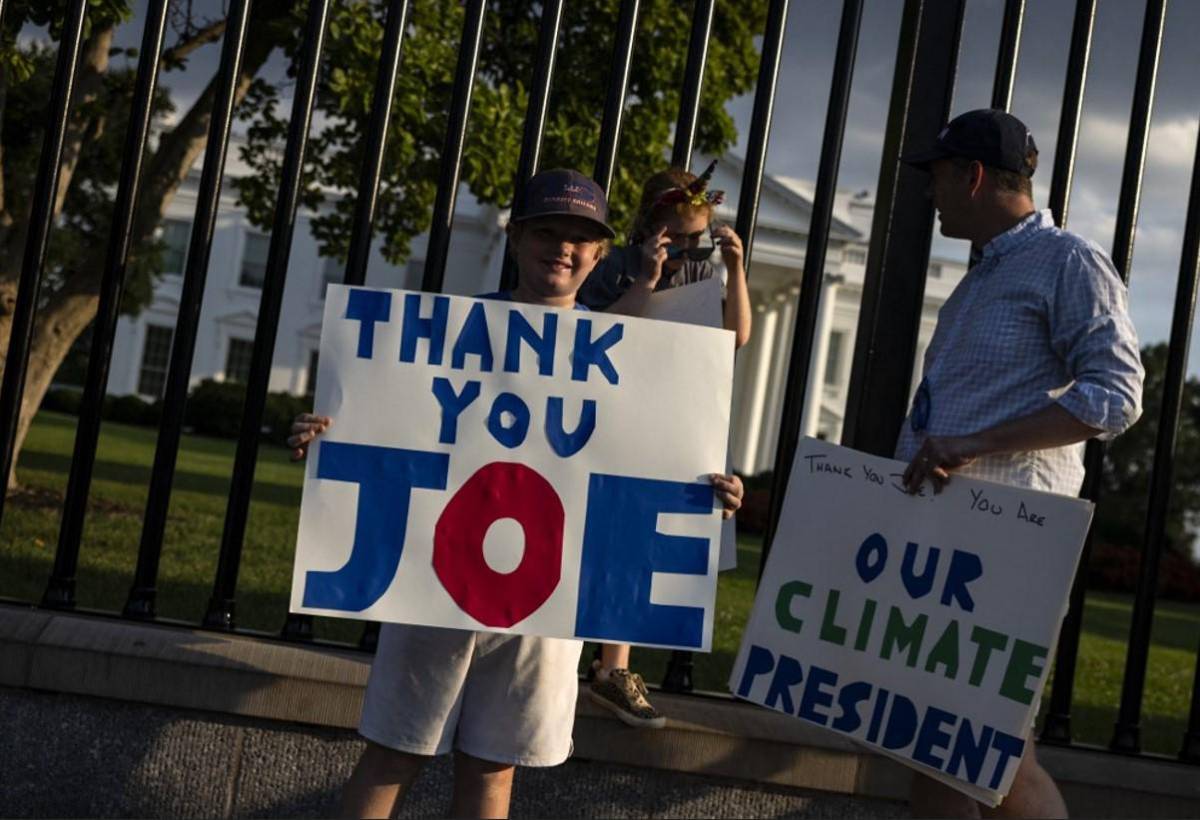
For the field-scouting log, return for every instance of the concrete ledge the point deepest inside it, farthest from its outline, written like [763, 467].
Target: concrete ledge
[244, 676]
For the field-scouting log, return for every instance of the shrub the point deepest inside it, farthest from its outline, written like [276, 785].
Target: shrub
[278, 413]
[131, 409]
[215, 408]
[1115, 568]
[62, 400]
[756, 503]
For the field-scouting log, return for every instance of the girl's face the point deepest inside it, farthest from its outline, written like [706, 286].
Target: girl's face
[555, 254]
[685, 230]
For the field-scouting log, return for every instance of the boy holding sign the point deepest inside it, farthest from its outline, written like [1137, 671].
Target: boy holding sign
[498, 700]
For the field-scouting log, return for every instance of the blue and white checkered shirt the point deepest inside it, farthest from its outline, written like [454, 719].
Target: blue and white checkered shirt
[1041, 319]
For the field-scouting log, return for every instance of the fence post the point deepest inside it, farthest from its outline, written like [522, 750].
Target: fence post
[60, 590]
[142, 597]
[894, 286]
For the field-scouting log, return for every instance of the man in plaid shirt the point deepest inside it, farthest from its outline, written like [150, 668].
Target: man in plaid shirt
[1034, 354]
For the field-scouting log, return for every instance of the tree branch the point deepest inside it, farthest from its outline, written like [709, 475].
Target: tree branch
[93, 66]
[173, 56]
[179, 148]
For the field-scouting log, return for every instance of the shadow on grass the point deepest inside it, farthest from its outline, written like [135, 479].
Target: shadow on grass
[139, 475]
[1092, 725]
[23, 577]
[1173, 628]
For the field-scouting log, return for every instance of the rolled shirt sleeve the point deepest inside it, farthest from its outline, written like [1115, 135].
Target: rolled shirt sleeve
[1092, 334]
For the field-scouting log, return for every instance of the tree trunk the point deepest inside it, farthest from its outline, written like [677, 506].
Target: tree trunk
[72, 309]
[58, 324]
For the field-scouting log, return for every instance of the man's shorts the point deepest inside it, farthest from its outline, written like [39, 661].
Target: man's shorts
[503, 698]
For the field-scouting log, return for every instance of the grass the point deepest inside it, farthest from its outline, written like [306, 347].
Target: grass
[112, 531]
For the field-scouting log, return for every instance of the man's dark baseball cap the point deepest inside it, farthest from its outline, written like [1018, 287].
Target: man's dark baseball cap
[562, 192]
[995, 138]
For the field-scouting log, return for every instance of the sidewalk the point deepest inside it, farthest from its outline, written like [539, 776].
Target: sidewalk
[71, 756]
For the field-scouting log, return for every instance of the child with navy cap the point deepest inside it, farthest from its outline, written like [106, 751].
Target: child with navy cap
[496, 700]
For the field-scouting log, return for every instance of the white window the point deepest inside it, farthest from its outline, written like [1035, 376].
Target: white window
[254, 260]
[156, 357]
[237, 360]
[856, 256]
[833, 359]
[175, 235]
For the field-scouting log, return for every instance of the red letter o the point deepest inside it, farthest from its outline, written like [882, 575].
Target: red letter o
[500, 490]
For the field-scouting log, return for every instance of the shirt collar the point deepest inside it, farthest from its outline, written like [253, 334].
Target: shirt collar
[1017, 235]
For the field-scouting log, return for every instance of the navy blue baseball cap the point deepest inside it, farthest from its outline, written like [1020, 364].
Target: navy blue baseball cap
[995, 138]
[562, 192]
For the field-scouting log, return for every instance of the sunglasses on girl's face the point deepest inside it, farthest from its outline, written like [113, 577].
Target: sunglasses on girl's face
[692, 254]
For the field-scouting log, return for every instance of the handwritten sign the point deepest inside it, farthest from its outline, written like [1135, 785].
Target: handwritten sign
[505, 467]
[922, 626]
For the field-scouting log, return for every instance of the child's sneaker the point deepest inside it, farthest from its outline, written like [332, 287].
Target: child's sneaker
[624, 693]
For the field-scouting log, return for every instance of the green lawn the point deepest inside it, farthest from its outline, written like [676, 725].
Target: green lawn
[29, 534]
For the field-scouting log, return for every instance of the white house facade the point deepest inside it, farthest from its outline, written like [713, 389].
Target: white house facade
[225, 335]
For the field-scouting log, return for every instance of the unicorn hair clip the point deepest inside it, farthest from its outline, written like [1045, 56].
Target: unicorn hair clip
[695, 195]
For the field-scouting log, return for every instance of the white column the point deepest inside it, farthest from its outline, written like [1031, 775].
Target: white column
[820, 355]
[760, 349]
[779, 367]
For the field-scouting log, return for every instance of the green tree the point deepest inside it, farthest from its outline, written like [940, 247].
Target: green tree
[101, 104]
[1129, 460]
[498, 106]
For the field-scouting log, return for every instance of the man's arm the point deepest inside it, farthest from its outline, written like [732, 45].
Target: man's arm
[1052, 426]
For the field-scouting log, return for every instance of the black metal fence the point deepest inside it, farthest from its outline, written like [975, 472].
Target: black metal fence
[899, 252]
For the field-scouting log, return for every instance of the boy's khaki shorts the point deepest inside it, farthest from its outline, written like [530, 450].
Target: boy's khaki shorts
[503, 698]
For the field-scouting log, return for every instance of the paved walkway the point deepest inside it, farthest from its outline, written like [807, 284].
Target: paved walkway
[68, 756]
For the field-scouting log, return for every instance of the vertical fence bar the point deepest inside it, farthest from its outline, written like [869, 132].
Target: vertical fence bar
[41, 220]
[1006, 59]
[1190, 753]
[221, 608]
[535, 118]
[614, 104]
[812, 279]
[1173, 383]
[902, 227]
[614, 101]
[1126, 733]
[760, 126]
[693, 82]
[376, 142]
[298, 626]
[678, 676]
[452, 149]
[1072, 109]
[60, 591]
[142, 596]
[1057, 725]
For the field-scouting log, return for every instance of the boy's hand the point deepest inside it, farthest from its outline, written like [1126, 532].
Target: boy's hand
[729, 490]
[305, 428]
[731, 247]
[654, 253]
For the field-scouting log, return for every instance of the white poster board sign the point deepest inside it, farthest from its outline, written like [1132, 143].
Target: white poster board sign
[920, 625]
[698, 304]
[505, 467]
